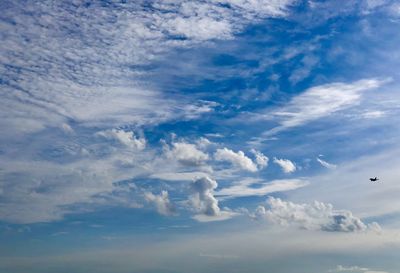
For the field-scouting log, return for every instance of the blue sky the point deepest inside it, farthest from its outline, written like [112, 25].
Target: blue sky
[199, 136]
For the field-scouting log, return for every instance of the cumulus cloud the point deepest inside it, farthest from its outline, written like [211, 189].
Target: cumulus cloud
[286, 165]
[161, 202]
[186, 153]
[237, 159]
[326, 164]
[202, 197]
[315, 216]
[261, 159]
[124, 137]
[259, 212]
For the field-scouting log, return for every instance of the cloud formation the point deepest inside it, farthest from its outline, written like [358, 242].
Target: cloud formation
[178, 176]
[355, 268]
[81, 63]
[256, 187]
[186, 153]
[326, 164]
[124, 137]
[261, 159]
[237, 159]
[286, 165]
[315, 216]
[161, 202]
[202, 197]
[320, 101]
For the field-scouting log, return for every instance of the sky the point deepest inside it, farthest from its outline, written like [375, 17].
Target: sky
[183, 136]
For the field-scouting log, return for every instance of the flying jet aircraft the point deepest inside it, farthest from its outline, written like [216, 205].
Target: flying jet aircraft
[373, 179]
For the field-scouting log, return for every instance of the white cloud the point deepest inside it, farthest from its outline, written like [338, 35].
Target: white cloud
[286, 165]
[186, 153]
[46, 191]
[203, 143]
[214, 135]
[199, 28]
[373, 114]
[394, 9]
[320, 101]
[57, 75]
[341, 268]
[67, 129]
[222, 216]
[261, 159]
[315, 216]
[237, 159]
[355, 268]
[304, 69]
[87, 71]
[202, 197]
[162, 203]
[124, 137]
[179, 176]
[245, 187]
[195, 110]
[215, 19]
[326, 164]
[371, 4]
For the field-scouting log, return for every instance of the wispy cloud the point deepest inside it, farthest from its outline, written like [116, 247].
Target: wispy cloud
[373, 114]
[222, 216]
[354, 268]
[326, 164]
[78, 62]
[257, 187]
[319, 102]
[178, 176]
[124, 137]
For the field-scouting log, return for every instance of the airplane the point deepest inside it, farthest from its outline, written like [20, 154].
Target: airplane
[373, 179]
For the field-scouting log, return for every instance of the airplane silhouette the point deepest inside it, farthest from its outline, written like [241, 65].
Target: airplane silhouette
[373, 179]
